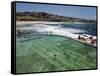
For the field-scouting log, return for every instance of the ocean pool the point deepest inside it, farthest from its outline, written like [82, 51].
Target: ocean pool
[43, 53]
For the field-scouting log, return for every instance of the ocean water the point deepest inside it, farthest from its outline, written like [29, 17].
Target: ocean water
[90, 29]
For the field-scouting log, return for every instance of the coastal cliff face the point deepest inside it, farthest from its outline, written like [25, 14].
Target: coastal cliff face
[42, 16]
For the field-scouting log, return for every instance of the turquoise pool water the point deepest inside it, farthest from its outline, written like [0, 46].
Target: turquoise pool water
[53, 53]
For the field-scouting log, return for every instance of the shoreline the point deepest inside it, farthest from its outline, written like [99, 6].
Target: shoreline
[47, 22]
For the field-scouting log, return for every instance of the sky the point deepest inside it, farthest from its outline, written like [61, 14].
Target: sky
[70, 11]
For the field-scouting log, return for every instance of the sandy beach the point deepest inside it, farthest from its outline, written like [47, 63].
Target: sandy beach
[46, 22]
